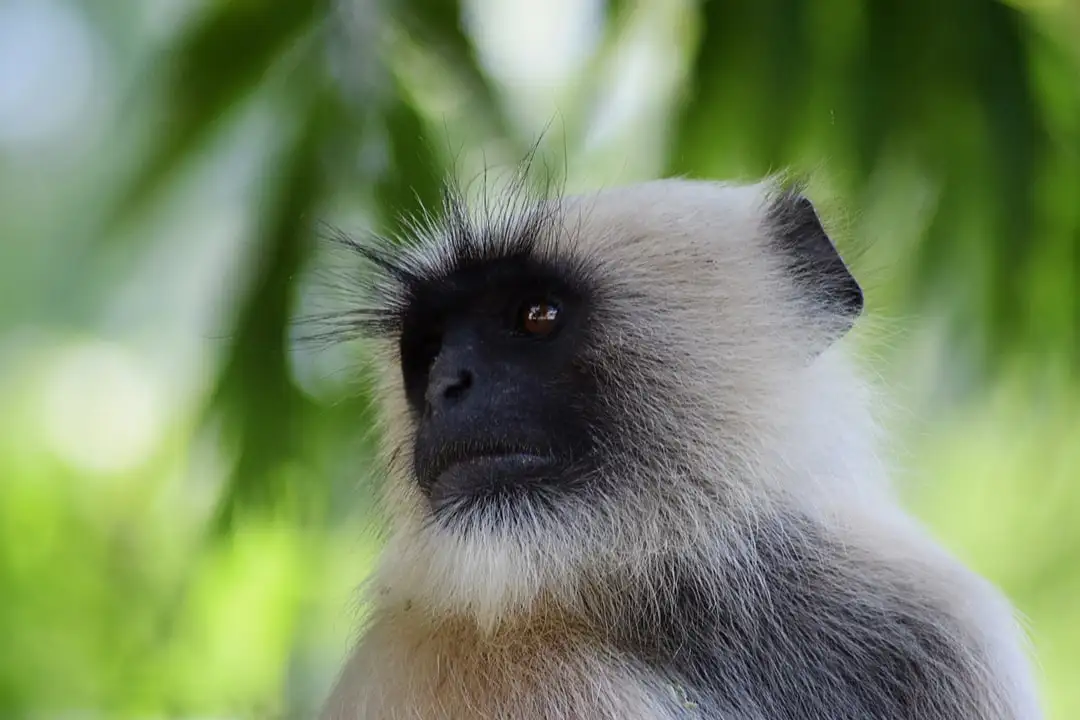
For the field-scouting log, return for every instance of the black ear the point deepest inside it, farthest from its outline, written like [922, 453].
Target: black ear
[813, 261]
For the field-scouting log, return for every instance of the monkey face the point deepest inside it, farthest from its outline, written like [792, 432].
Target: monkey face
[498, 386]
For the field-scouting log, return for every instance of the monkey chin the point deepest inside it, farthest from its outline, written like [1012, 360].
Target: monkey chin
[493, 567]
[500, 538]
[486, 490]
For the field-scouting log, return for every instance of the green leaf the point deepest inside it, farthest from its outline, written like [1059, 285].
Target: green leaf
[213, 68]
[255, 394]
[412, 182]
[742, 109]
[436, 25]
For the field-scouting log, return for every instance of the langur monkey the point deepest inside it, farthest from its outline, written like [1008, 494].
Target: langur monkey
[631, 474]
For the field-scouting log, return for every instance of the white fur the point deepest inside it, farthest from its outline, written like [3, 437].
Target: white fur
[688, 287]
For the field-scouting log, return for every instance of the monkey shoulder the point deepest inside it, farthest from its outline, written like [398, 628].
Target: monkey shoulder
[808, 626]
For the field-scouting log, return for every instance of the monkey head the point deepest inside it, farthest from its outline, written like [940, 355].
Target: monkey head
[582, 383]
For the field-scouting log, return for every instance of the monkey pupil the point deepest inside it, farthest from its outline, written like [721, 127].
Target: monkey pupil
[540, 318]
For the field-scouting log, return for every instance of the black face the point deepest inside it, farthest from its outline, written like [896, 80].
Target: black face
[493, 373]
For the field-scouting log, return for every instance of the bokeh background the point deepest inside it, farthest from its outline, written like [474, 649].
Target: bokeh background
[186, 493]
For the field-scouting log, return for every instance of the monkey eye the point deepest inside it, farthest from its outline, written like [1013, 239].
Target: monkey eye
[538, 318]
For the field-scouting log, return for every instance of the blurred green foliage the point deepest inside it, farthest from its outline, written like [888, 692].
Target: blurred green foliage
[186, 496]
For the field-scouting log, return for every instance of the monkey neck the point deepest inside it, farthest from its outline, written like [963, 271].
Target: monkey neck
[623, 606]
[632, 602]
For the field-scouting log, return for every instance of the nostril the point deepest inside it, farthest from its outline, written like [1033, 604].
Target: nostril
[456, 388]
[448, 388]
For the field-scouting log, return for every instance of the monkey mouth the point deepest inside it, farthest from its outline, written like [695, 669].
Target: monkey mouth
[464, 468]
[509, 462]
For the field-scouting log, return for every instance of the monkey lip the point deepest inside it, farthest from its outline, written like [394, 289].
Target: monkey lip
[467, 468]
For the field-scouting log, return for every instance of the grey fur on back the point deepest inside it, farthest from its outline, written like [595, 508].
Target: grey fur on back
[743, 557]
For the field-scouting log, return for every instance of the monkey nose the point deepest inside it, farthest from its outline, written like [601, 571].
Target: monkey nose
[448, 387]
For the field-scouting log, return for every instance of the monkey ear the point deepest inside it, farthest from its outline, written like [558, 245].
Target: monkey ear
[814, 262]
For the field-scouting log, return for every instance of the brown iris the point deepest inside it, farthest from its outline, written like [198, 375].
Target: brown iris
[539, 318]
